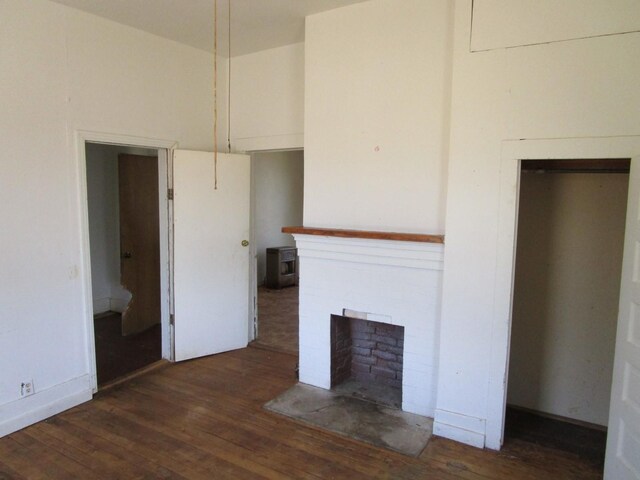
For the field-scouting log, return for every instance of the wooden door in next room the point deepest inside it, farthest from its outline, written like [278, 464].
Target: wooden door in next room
[139, 240]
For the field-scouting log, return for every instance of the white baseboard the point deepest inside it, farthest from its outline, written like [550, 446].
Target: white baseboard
[26, 411]
[461, 428]
[101, 305]
[118, 305]
[107, 304]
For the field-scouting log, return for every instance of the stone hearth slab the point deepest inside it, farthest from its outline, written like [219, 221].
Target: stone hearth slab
[353, 417]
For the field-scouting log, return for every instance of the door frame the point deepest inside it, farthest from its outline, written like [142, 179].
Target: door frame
[164, 148]
[513, 152]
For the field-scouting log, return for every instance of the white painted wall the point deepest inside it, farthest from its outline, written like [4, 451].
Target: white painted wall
[376, 116]
[104, 225]
[567, 288]
[62, 70]
[124, 80]
[573, 89]
[509, 23]
[278, 189]
[267, 99]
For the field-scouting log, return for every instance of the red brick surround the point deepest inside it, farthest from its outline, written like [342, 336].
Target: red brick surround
[369, 352]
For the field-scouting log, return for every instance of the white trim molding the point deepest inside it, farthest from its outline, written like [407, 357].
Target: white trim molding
[458, 427]
[294, 141]
[428, 256]
[122, 139]
[82, 137]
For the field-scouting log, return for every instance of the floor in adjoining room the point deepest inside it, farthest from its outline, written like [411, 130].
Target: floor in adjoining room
[116, 355]
[205, 419]
[278, 319]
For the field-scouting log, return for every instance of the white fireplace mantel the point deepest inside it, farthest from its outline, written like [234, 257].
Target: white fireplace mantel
[398, 280]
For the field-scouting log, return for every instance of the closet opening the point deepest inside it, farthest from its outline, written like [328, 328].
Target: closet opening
[570, 239]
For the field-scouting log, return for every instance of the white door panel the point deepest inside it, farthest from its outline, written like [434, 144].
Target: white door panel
[622, 460]
[210, 264]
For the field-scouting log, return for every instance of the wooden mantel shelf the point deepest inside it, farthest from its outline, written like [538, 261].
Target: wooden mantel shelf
[332, 232]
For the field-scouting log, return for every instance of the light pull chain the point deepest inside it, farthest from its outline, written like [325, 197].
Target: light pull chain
[229, 86]
[215, 94]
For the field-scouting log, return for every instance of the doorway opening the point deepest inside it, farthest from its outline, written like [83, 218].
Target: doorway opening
[125, 240]
[568, 265]
[277, 179]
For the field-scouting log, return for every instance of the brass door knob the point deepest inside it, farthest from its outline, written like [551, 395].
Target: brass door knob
[245, 243]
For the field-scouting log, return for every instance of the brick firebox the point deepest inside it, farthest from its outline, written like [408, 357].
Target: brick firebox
[366, 351]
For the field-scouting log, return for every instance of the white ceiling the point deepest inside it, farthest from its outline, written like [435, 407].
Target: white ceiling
[255, 24]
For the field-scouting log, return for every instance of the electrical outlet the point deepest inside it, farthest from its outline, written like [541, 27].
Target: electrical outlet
[26, 388]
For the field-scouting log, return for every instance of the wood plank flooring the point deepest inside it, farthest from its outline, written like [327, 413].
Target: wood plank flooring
[204, 419]
[588, 443]
[278, 319]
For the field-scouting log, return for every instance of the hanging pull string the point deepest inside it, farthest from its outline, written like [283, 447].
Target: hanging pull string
[215, 94]
[229, 86]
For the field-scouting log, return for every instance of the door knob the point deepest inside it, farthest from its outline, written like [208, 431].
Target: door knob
[126, 255]
[245, 243]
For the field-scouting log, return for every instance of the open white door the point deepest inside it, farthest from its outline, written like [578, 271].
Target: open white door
[210, 253]
[623, 441]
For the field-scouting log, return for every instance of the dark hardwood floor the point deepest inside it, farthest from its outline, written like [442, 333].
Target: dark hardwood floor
[117, 356]
[203, 419]
[587, 443]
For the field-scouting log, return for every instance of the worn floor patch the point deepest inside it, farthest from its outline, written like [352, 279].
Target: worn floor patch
[363, 420]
